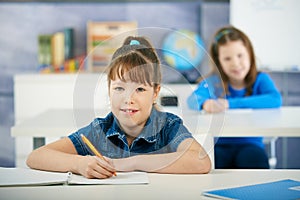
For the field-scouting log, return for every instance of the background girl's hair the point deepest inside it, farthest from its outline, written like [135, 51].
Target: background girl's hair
[137, 61]
[222, 37]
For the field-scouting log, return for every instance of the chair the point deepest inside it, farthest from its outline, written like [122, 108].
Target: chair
[270, 143]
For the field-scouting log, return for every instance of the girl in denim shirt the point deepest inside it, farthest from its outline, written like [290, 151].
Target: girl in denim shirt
[135, 135]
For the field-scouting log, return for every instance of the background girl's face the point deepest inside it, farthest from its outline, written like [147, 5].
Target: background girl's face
[235, 61]
[131, 102]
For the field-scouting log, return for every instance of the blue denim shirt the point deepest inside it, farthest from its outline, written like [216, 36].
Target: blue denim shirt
[163, 132]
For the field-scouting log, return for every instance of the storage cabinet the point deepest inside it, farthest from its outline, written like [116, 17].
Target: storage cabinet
[103, 38]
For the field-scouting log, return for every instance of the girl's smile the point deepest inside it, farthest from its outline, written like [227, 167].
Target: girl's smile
[129, 111]
[131, 103]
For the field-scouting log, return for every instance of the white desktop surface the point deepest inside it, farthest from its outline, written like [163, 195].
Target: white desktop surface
[161, 186]
[55, 123]
[282, 122]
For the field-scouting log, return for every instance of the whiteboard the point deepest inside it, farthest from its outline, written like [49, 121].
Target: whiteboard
[273, 26]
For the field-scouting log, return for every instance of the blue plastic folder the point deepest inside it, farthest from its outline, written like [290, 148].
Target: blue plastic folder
[283, 189]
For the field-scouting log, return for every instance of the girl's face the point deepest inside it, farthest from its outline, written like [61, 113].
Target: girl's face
[235, 61]
[131, 103]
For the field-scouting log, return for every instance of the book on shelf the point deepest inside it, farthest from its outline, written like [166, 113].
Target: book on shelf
[281, 189]
[58, 50]
[69, 43]
[44, 49]
[31, 177]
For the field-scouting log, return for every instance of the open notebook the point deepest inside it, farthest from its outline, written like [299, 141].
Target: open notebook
[282, 189]
[27, 177]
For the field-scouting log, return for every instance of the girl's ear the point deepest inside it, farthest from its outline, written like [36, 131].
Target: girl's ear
[156, 91]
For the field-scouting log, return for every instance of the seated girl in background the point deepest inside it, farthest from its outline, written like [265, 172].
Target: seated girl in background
[235, 83]
[134, 135]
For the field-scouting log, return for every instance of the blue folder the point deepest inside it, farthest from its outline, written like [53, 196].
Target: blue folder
[283, 189]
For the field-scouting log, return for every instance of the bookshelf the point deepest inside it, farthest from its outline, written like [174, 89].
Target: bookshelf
[56, 52]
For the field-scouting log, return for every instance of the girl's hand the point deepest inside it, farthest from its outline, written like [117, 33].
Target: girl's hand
[94, 167]
[215, 106]
[224, 103]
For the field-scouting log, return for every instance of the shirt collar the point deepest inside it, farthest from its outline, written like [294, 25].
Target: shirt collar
[149, 133]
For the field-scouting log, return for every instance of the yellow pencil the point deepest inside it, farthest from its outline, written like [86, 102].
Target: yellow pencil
[93, 149]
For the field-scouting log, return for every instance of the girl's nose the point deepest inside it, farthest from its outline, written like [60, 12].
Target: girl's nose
[129, 98]
[235, 62]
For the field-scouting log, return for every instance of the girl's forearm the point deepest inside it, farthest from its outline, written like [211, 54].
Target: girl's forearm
[179, 162]
[52, 160]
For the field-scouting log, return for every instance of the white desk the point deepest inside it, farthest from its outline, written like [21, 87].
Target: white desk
[55, 123]
[161, 186]
[283, 122]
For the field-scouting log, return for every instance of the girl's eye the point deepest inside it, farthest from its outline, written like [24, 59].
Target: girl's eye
[118, 88]
[140, 89]
[227, 58]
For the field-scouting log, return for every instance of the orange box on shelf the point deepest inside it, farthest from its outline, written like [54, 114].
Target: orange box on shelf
[103, 38]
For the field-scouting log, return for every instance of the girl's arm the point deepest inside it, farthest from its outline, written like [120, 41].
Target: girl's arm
[265, 95]
[271, 100]
[190, 158]
[208, 89]
[196, 100]
[61, 156]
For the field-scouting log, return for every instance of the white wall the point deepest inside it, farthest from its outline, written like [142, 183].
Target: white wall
[273, 28]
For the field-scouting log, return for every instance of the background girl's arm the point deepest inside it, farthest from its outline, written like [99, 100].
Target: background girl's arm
[189, 158]
[265, 95]
[196, 100]
[61, 156]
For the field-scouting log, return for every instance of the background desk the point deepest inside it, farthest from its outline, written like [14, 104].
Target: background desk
[161, 186]
[259, 122]
[55, 123]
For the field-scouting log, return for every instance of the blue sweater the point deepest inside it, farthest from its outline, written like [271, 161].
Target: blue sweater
[264, 95]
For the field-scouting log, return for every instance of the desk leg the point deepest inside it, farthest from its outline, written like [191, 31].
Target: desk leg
[38, 142]
[284, 153]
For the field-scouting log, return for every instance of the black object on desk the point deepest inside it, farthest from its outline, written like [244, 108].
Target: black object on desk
[169, 101]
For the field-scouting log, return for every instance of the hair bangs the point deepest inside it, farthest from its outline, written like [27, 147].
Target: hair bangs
[133, 68]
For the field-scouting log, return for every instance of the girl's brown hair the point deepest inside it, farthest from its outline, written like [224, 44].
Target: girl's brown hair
[137, 60]
[222, 37]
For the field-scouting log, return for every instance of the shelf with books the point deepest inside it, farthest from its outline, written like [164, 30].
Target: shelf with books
[71, 65]
[56, 52]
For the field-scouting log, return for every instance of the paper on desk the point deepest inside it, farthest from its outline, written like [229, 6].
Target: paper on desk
[120, 179]
[30, 177]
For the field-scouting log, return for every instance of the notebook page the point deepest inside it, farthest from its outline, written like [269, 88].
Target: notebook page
[27, 177]
[120, 179]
